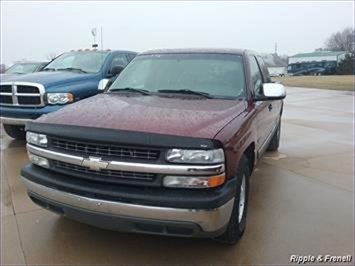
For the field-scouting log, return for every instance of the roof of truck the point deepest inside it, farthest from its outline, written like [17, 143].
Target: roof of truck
[102, 51]
[195, 50]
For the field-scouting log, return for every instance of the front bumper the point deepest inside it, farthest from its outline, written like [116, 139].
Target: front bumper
[133, 217]
[153, 210]
[12, 115]
[14, 121]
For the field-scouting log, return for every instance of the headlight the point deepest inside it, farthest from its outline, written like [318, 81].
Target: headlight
[195, 156]
[38, 160]
[60, 98]
[36, 139]
[194, 181]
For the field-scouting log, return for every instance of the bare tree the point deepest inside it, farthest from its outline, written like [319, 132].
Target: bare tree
[51, 56]
[341, 41]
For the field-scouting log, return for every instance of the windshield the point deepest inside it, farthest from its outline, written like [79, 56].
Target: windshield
[218, 75]
[22, 68]
[89, 62]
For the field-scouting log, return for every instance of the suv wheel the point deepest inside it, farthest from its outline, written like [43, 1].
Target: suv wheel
[236, 226]
[16, 132]
[275, 141]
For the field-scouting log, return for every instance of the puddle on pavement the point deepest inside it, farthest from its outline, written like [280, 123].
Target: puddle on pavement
[276, 156]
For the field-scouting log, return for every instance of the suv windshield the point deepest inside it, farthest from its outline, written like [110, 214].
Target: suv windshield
[216, 75]
[22, 68]
[89, 62]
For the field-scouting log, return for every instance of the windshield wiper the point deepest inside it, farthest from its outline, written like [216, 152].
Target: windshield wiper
[185, 91]
[141, 91]
[48, 69]
[72, 69]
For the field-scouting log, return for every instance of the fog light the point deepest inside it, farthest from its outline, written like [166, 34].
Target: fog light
[194, 181]
[38, 160]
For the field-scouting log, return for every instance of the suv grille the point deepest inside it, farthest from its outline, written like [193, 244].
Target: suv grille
[106, 176]
[106, 150]
[18, 94]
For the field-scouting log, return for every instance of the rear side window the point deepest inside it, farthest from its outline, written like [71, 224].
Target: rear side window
[256, 76]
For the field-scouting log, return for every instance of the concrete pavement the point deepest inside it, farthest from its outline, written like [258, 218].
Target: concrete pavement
[301, 202]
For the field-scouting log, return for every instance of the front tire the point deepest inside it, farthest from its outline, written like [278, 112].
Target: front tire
[15, 132]
[237, 223]
[275, 141]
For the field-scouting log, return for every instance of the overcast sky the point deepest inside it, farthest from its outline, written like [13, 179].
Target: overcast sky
[32, 30]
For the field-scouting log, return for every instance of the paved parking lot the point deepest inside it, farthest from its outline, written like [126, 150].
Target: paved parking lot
[301, 202]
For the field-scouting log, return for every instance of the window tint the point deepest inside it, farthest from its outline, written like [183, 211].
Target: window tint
[264, 69]
[256, 76]
[119, 60]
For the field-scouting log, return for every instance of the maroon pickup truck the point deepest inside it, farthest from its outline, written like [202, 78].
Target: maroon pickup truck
[167, 148]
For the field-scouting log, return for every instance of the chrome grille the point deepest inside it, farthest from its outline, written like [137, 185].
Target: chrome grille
[105, 150]
[21, 94]
[103, 175]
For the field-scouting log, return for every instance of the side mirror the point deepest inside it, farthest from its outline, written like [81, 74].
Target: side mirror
[272, 91]
[102, 85]
[115, 71]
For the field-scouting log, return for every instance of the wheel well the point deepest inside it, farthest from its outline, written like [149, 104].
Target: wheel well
[250, 154]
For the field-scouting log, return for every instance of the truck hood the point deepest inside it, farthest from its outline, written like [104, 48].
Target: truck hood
[51, 79]
[179, 116]
[6, 77]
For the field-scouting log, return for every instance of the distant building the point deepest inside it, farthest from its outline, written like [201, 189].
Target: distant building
[277, 71]
[319, 62]
[276, 65]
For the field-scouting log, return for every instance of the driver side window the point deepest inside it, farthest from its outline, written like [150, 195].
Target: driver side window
[119, 60]
[256, 76]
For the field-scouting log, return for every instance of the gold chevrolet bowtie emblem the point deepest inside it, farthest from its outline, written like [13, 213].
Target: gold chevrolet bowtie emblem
[95, 163]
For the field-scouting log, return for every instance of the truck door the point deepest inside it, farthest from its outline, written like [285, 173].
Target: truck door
[263, 119]
[274, 106]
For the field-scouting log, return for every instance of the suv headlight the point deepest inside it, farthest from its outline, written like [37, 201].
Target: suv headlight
[60, 98]
[195, 156]
[36, 139]
[194, 181]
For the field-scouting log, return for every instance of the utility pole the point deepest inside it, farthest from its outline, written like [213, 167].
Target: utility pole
[276, 48]
[102, 40]
[94, 32]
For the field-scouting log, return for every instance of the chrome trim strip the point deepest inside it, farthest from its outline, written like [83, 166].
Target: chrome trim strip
[14, 93]
[55, 155]
[19, 94]
[210, 220]
[14, 121]
[169, 169]
[14, 97]
[27, 94]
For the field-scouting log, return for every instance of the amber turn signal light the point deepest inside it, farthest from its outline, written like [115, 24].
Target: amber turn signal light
[215, 181]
